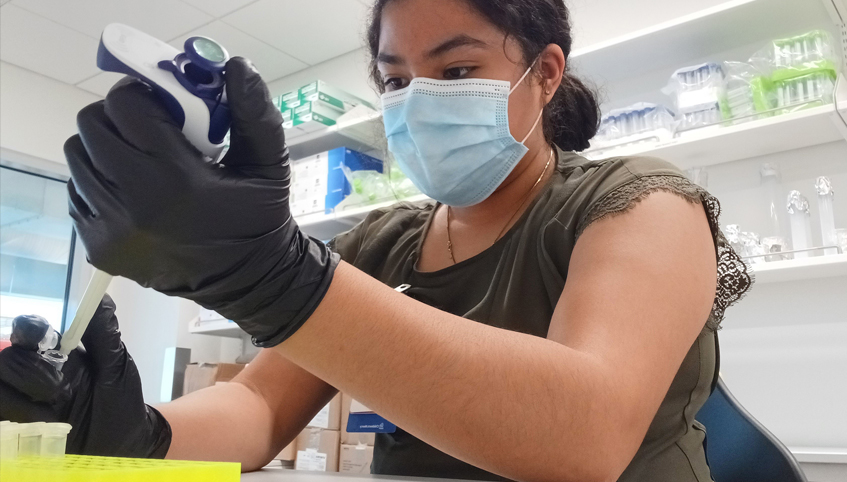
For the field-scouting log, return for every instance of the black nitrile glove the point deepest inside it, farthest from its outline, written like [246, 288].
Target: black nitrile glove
[148, 207]
[98, 392]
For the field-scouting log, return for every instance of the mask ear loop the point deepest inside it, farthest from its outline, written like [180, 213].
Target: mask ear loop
[537, 120]
[533, 126]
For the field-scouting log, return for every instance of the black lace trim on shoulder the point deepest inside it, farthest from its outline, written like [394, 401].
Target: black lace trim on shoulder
[735, 276]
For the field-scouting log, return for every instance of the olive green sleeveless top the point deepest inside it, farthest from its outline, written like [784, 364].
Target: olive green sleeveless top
[517, 282]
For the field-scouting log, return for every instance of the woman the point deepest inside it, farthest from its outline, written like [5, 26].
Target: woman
[559, 314]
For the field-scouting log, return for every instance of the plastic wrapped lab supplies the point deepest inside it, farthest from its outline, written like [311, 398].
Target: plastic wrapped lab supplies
[802, 69]
[636, 123]
[697, 92]
[813, 49]
[748, 92]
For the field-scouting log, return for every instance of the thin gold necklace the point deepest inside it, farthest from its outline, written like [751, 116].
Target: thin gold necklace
[502, 231]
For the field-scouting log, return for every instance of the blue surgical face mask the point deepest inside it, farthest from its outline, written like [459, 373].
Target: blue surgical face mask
[452, 138]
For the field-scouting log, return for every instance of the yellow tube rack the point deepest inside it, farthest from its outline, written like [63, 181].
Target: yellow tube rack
[78, 468]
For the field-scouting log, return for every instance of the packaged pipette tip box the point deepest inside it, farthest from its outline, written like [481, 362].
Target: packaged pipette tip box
[697, 92]
[802, 69]
[635, 124]
[749, 93]
[78, 468]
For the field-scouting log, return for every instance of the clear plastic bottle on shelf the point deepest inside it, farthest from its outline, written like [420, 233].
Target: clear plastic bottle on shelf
[774, 232]
[826, 213]
[800, 219]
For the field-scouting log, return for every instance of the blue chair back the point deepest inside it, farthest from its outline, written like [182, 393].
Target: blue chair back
[739, 448]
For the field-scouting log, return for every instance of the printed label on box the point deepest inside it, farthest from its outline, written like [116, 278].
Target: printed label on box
[321, 420]
[310, 459]
[697, 99]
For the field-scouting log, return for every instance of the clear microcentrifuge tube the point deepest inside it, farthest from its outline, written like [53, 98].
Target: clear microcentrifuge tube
[54, 439]
[29, 443]
[9, 440]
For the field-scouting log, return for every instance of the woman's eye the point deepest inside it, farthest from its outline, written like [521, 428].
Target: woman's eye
[457, 72]
[394, 83]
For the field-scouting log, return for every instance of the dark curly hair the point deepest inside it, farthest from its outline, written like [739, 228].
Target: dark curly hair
[572, 117]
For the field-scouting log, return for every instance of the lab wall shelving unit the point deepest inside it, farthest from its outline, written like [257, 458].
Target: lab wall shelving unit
[221, 327]
[784, 348]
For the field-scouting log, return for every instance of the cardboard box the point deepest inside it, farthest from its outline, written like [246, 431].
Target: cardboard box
[355, 459]
[352, 438]
[317, 450]
[338, 187]
[341, 99]
[290, 100]
[300, 206]
[319, 183]
[318, 107]
[329, 417]
[289, 453]
[199, 376]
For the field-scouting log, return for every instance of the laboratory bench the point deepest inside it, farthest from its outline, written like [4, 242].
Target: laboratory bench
[287, 475]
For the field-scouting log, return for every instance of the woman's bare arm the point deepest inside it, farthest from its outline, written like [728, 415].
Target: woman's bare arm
[639, 291]
[250, 419]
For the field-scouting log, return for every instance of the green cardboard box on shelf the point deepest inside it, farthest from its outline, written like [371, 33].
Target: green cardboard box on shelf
[289, 100]
[338, 98]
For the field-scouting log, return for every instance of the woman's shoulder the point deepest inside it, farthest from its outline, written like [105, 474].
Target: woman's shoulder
[615, 170]
[385, 225]
[597, 188]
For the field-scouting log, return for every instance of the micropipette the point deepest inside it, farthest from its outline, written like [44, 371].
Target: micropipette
[87, 306]
[191, 85]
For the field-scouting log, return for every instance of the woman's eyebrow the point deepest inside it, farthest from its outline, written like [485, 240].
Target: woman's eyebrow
[384, 58]
[460, 40]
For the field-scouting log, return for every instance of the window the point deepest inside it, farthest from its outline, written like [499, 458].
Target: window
[36, 245]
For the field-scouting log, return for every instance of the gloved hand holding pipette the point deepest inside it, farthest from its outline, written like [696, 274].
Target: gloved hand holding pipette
[97, 391]
[148, 206]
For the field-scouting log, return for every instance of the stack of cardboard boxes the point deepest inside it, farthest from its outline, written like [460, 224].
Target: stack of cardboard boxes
[326, 446]
[202, 375]
[357, 449]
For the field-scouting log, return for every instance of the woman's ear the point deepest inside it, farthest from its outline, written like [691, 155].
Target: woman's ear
[552, 66]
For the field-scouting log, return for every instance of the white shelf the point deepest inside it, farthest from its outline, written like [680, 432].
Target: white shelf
[717, 145]
[801, 269]
[223, 328]
[677, 43]
[820, 455]
[361, 129]
[326, 226]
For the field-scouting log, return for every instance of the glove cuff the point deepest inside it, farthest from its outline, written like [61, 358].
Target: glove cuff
[279, 303]
[162, 434]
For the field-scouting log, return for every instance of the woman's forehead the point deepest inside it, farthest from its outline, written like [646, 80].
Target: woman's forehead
[412, 28]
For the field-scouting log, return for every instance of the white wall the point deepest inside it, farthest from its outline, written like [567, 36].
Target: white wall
[784, 347]
[37, 113]
[348, 72]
